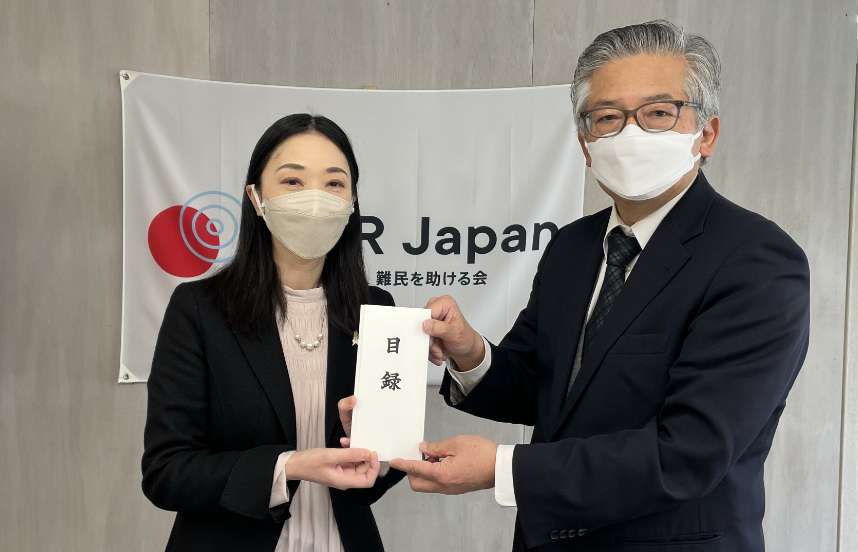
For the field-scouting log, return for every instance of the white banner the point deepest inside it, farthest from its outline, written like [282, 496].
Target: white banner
[460, 190]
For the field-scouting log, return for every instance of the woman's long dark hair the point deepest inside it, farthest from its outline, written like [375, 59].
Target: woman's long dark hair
[248, 290]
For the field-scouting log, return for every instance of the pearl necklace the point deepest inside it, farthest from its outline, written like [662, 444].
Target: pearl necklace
[309, 346]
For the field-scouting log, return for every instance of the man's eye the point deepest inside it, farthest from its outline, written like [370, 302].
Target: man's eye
[606, 119]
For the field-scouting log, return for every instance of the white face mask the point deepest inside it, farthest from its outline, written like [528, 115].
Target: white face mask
[639, 165]
[308, 223]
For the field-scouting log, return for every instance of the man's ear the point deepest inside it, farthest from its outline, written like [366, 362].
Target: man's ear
[583, 143]
[711, 132]
[249, 191]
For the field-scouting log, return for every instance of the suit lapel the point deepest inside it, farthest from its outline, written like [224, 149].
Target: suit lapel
[340, 380]
[582, 279]
[654, 269]
[657, 265]
[264, 353]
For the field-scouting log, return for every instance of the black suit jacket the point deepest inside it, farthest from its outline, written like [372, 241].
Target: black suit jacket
[220, 412]
[661, 442]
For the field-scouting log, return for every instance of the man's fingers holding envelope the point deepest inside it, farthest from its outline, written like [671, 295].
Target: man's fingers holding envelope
[451, 334]
[423, 476]
[454, 466]
[436, 352]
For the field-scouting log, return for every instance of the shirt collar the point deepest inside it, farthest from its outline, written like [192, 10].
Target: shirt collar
[643, 229]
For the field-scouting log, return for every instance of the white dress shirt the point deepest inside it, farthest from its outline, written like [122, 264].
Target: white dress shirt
[642, 230]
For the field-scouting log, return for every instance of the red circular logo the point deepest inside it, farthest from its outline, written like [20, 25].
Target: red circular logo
[174, 253]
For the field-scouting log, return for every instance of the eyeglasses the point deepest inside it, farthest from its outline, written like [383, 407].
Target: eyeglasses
[651, 117]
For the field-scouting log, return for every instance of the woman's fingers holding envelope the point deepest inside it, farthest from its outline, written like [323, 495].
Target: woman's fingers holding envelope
[350, 468]
[339, 468]
[346, 407]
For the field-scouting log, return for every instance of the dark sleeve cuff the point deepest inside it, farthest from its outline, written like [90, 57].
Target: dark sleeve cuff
[248, 488]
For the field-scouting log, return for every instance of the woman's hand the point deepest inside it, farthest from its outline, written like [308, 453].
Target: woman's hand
[345, 468]
[346, 407]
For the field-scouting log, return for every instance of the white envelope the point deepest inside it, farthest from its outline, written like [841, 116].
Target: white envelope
[390, 381]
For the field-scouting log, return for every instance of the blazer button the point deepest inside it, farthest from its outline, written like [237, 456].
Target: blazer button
[562, 534]
[573, 533]
[553, 534]
[582, 532]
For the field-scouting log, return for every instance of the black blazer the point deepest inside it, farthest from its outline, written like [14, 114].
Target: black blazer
[661, 442]
[220, 412]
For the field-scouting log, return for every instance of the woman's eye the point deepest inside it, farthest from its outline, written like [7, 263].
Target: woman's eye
[336, 183]
[291, 182]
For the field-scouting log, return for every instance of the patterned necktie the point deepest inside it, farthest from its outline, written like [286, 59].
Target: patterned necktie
[621, 250]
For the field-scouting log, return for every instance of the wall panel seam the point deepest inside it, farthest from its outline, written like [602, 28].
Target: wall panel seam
[847, 342]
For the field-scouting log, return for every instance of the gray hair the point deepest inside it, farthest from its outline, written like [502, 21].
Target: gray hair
[702, 81]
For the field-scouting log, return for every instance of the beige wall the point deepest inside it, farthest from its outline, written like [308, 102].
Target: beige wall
[849, 461]
[70, 439]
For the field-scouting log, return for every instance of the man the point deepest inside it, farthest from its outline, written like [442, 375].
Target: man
[660, 340]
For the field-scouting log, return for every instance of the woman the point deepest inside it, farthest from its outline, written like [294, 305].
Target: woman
[250, 364]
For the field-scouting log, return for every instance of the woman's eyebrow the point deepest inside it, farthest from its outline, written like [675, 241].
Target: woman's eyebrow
[337, 170]
[295, 166]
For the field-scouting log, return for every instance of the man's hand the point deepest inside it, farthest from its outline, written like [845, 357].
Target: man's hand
[346, 406]
[452, 336]
[458, 465]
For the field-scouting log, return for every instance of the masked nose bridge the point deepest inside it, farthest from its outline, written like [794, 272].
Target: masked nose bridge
[631, 121]
[321, 202]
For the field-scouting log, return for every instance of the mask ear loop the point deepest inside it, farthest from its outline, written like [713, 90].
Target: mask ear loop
[258, 202]
[699, 156]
